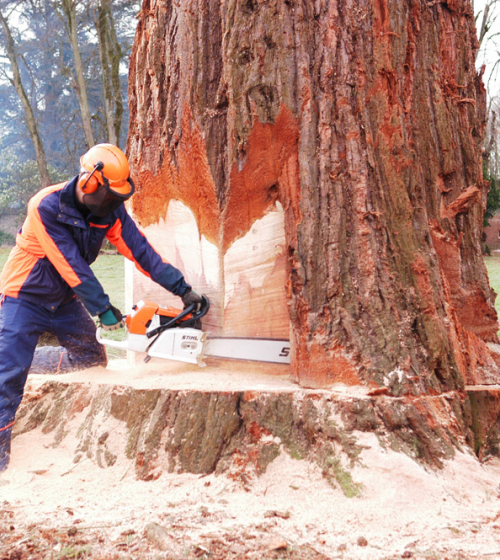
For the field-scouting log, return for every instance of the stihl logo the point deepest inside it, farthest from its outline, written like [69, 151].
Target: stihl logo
[188, 337]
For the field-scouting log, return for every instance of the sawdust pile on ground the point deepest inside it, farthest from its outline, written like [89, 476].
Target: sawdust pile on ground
[52, 508]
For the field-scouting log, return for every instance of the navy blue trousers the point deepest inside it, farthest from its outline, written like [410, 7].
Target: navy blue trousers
[21, 324]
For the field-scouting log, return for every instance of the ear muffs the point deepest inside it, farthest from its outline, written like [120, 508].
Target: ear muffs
[88, 183]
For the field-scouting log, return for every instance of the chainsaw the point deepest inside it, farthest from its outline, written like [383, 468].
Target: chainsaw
[173, 334]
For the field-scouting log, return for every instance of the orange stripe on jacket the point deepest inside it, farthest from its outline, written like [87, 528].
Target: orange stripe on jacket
[24, 255]
[114, 236]
[53, 253]
[16, 270]
[35, 239]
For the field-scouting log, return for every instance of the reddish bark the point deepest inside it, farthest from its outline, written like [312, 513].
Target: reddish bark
[364, 120]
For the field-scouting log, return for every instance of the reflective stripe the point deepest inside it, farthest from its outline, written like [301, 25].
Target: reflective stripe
[60, 362]
[100, 226]
[7, 427]
[16, 270]
[33, 243]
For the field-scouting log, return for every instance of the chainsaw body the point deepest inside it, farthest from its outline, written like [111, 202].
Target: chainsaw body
[163, 332]
[172, 334]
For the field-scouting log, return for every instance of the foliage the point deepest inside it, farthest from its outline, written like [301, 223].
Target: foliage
[6, 238]
[47, 71]
[19, 181]
[493, 199]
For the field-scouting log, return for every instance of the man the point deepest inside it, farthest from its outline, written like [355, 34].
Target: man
[47, 284]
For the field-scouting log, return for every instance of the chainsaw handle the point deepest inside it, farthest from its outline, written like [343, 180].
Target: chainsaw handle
[120, 344]
[205, 306]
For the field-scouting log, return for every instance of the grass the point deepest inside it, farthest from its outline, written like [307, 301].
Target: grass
[110, 271]
[4, 253]
[493, 266]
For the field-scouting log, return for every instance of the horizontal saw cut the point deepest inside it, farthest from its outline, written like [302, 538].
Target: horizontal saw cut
[173, 334]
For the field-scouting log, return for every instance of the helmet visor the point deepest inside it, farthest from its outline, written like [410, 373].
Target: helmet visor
[105, 200]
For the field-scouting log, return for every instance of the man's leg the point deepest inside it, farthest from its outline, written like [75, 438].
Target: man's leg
[21, 323]
[75, 330]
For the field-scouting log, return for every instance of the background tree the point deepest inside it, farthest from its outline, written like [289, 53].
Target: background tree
[487, 15]
[67, 10]
[111, 57]
[47, 71]
[29, 113]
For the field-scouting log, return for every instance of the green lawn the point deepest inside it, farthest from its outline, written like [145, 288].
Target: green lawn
[493, 266]
[110, 271]
[4, 253]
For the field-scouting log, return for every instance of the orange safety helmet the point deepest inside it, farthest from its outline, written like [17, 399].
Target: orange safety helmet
[104, 179]
[105, 164]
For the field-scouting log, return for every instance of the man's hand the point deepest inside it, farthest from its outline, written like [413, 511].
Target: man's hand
[191, 297]
[111, 320]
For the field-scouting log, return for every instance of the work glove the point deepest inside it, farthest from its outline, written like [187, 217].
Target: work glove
[191, 297]
[112, 319]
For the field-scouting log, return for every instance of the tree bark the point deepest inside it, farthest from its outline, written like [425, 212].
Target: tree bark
[359, 125]
[240, 431]
[41, 160]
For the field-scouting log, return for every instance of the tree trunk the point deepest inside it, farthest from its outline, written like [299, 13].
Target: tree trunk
[68, 15]
[111, 55]
[318, 166]
[28, 109]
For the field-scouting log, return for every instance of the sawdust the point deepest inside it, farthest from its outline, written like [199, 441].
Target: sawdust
[62, 509]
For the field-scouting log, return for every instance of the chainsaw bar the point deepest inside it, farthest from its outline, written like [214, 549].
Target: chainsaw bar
[251, 349]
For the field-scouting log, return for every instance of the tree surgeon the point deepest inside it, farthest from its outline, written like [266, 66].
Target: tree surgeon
[47, 284]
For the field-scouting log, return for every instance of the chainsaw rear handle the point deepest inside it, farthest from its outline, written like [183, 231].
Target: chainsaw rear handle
[205, 306]
[120, 344]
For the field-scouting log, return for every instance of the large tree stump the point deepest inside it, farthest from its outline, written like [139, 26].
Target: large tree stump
[164, 428]
[315, 168]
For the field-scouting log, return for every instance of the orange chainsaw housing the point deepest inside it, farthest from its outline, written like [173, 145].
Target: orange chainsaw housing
[138, 321]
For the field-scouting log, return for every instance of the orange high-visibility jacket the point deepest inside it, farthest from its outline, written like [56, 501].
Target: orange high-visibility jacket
[50, 263]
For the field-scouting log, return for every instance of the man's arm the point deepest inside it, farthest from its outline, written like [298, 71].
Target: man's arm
[132, 244]
[60, 248]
